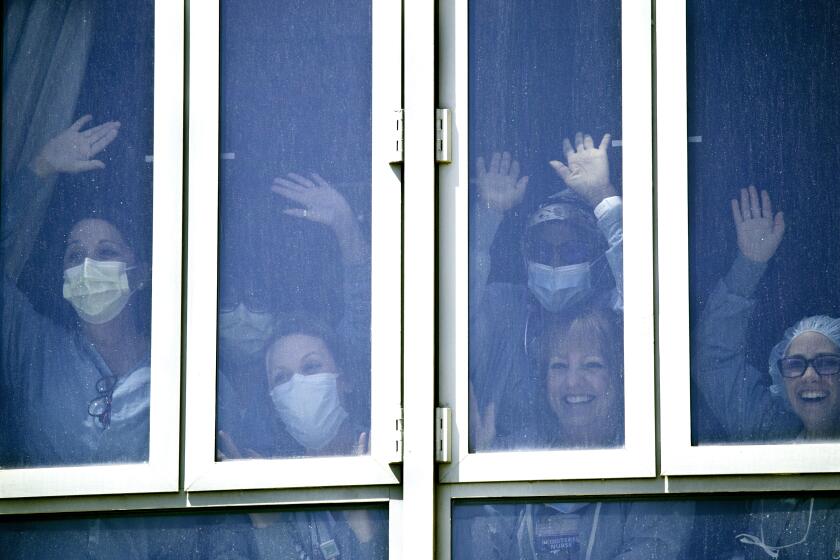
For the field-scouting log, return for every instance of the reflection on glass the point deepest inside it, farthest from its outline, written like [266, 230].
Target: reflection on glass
[76, 232]
[765, 344]
[799, 527]
[545, 230]
[294, 282]
[353, 533]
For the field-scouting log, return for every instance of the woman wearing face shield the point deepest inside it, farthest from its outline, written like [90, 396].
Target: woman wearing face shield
[800, 400]
[248, 318]
[572, 245]
[79, 393]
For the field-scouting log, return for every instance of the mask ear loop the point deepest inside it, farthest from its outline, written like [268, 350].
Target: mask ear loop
[773, 551]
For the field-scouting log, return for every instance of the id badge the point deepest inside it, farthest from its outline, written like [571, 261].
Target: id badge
[557, 536]
[329, 549]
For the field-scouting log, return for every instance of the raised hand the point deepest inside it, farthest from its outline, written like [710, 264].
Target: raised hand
[484, 425]
[587, 168]
[320, 201]
[72, 149]
[759, 231]
[322, 204]
[500, 187]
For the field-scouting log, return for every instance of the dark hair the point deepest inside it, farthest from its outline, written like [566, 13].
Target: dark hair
[287, 324]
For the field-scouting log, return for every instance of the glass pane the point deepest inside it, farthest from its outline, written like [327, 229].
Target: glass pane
[800, 527]
[294, 262]
[357, 533]
[76, 225]
[545, 229]
[763, 274]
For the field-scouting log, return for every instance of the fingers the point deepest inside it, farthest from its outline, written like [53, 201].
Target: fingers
[779, 224]
[745, 205]
[522, 184]
[290, 193]
[755, 208]
[578, 142]
[87, 165]
[227, 447]
[300, 179]
[567, 148]
[490, 417]
[736, 213]
[504, 166]
[292, 185]
[514, 169]
[99, 130]
[474, 413]
[766, 205]
[76, 126]
[362, 445]
[102, 141]
[495, 162]
[588, 143]
[560, 169]
[605, 142]
[320, 181]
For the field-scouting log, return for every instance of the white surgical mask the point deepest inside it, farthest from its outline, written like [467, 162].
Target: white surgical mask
[556, 288]
[244, 332]
[97, 290]
[309, 407]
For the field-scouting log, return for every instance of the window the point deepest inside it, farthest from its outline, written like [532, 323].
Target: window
[273, 177]
[91, 220]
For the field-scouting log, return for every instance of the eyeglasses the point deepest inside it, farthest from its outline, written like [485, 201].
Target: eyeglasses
[795, 366]
[100, 407]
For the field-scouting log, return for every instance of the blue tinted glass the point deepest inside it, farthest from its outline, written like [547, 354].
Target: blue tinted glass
[294, 255]
[764, 135]
[314, 533]
[545, 225]
[799, 527]
[76, 231]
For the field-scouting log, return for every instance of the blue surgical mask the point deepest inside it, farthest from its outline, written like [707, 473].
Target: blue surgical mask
[557, 288]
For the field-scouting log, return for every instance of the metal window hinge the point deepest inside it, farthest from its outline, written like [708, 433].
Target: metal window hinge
[443, 135]
[443, 435]
[399, 137]
[397, 456]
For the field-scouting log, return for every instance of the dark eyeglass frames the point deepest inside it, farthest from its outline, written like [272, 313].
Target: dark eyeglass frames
[795, 366]
[100, 407]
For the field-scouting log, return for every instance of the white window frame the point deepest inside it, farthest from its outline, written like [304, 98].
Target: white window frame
[202, 472]
[679, 457]
[160, 473]
[637, 458]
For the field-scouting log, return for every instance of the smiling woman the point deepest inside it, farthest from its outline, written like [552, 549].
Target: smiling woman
[800, 398]
[807, 375]
[582, 363]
